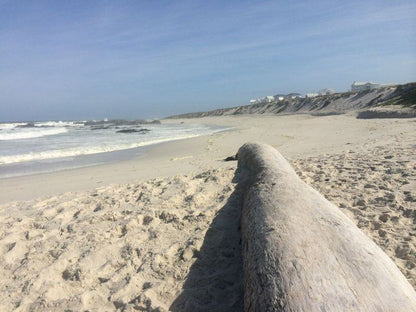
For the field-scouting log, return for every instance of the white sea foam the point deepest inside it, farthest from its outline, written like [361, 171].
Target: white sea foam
[56, 124]
[78, 151]
[11, 125]
[29, 133]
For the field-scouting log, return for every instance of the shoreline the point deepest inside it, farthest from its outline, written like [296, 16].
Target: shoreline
[295, 136]
[83, 146]
[92, 176]
[158, 231]
[45, 166]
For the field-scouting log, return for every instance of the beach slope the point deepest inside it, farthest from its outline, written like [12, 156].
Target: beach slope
[162, 231]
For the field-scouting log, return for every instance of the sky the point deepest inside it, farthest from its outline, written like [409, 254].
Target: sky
[69, 60]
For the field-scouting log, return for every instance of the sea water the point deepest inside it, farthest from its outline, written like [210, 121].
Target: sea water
[28, 148]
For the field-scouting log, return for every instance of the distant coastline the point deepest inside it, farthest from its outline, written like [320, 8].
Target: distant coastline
[398, 96]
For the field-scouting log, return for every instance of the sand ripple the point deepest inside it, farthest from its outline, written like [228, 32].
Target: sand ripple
[377, 190]
[125, 247]
[174, 243]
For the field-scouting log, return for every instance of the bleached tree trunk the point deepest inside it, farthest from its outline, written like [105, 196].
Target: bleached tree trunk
[301, 253]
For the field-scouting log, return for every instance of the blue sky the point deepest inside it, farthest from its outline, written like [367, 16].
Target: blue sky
[141, 59]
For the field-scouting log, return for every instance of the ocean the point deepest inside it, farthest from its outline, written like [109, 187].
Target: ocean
[36, 147]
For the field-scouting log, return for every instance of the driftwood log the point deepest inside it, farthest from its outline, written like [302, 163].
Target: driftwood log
[301, 253]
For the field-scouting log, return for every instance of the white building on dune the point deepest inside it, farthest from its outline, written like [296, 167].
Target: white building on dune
[364, 86]
[277, 97]
[290, 96]
[268, 99]
[325, 91]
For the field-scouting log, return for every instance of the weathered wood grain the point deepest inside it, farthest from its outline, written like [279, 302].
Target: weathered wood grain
[301, 253]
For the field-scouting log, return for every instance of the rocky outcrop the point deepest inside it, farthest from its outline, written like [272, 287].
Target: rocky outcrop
[402, 95]
[141, 131]
[301, 253]
[120, 122]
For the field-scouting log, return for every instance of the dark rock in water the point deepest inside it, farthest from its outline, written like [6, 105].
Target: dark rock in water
[27, 125]
[142, 131]
[151, 122]
[232, 158]
[127, 131]
[100, 127]
[120, 122]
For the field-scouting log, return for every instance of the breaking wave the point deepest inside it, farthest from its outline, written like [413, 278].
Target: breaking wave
[78, 151]
[29, 133]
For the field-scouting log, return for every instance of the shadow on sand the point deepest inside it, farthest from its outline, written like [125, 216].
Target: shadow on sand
[215, 280]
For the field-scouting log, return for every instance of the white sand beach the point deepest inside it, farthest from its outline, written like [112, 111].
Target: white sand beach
[161, 232]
